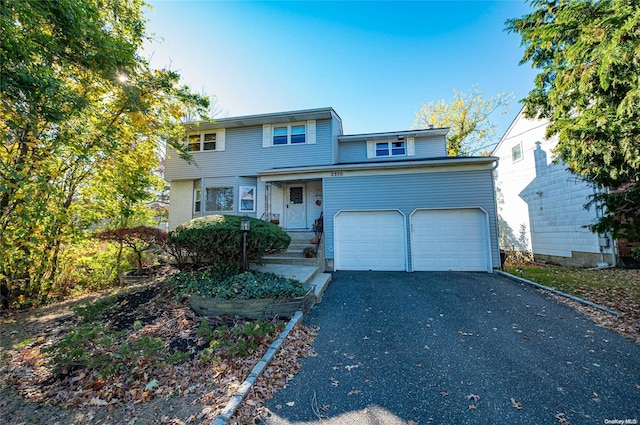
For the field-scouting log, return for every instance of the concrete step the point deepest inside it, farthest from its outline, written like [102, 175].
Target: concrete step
[302, 273]
[295, 260]
[320, 282]
[301, 237]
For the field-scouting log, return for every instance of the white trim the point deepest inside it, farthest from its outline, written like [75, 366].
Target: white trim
[371, 149]
[220, 140]
[253, 197]
[268, 130]
[341, 172]
[404, 232]
[488, 251]
[266, 135]
[411, 146]
[311, 132]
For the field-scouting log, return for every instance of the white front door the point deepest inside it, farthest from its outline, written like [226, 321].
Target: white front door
[295, 206]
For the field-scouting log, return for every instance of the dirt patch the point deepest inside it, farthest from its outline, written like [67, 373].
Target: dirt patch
[189, 391]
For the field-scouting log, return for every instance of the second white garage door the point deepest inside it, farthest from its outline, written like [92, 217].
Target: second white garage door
[450, 239]
[370, 240]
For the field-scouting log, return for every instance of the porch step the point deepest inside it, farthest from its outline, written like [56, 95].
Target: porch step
[296, 259]
[301, 237]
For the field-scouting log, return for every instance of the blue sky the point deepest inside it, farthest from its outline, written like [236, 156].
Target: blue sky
[372, 61]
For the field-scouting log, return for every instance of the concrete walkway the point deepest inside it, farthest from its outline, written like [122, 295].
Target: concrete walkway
[456, 348]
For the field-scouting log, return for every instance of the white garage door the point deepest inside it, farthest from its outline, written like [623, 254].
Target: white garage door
[450, 239]
[370, 240]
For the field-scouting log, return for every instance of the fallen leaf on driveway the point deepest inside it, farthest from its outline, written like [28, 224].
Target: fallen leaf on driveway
[562, 419]
[444, 393]
[412, 423]
[473, 397]
[516, 404]
[290, 403]
[472, 407]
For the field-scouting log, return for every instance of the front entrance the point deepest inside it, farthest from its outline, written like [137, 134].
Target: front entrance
[295, 206]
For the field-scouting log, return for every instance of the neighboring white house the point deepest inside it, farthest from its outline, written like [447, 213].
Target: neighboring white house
[390, 201]
[541, 204]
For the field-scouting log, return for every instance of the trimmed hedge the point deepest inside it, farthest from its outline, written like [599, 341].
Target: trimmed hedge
[243, 286]
[217, 240]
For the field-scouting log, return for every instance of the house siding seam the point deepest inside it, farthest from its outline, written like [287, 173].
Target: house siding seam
[409, 192]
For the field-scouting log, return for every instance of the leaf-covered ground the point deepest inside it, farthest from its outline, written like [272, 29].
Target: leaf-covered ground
[144, 358]
[615, 289]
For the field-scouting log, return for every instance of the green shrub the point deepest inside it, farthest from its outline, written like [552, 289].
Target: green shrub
[248, 285]
[217, 240]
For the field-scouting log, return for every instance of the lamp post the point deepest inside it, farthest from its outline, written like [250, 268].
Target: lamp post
[245, 226]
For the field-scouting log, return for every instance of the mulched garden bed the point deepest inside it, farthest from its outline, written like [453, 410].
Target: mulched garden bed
[153, 387]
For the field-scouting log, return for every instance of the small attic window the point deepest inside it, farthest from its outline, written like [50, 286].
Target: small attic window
[516, 152]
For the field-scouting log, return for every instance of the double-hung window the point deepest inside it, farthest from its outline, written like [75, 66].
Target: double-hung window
[219, 199]
[289, 134]
[206, 141]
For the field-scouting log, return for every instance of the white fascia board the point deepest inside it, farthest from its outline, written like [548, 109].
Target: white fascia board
[394, 135]
[260, 119]
[344, 170]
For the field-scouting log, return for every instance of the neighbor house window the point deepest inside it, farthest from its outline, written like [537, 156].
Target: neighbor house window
[516, 152]
[219, 199]
[390, 148]
[289, 134]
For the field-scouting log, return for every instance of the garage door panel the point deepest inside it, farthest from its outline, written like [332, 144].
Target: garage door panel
[370, 240]
[452, 239]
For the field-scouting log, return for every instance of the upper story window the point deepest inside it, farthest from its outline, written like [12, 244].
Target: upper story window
[207, 141]
[516, 152]
[289, 134]
[296, 133]
[391, 148]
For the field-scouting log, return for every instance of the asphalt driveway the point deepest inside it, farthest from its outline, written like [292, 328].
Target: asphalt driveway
[456, 348]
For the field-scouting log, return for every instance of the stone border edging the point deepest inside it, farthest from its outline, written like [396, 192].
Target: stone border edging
[225, 415]
[555, 291]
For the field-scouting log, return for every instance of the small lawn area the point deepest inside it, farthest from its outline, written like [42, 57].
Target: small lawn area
[616, 289]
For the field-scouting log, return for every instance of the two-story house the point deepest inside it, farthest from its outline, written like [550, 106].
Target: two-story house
[544, 202]
[390, 201]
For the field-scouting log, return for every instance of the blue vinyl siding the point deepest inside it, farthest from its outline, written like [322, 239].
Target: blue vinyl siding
[406, 192]
[245, 156]
[356, 151]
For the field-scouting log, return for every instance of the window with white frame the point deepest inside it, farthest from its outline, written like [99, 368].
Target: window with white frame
[289, 134]
[391, 148]
[197, 198]
[516, 152]
[247, 199]
[206, 141]
[219, 199]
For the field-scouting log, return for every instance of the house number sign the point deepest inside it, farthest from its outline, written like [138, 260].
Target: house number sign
[336, 174]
